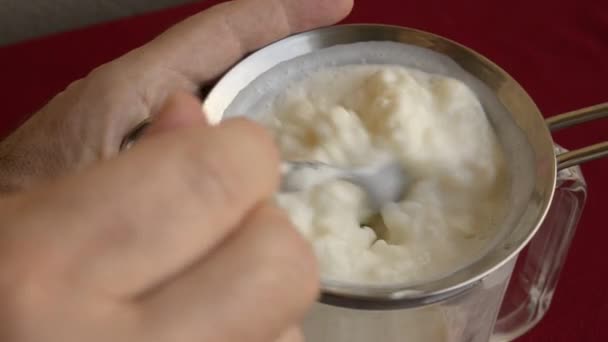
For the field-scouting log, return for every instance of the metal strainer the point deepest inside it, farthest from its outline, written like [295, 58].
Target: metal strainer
[524, 134]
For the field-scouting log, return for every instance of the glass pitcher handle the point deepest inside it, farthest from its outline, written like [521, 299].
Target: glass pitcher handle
[538, 267]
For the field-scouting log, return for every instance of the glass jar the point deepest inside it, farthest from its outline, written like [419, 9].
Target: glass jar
[500, 307]
[539, 265]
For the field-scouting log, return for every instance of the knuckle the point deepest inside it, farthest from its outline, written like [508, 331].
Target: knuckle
[225, 163]
[255, 136]
[203, 170]
[211, 180]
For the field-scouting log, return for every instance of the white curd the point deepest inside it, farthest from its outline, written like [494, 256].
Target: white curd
[354, 115]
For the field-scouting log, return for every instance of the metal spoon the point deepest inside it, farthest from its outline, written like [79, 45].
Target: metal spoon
[383, 182]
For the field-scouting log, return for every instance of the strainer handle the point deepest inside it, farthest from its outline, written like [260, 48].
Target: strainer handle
[585, 154]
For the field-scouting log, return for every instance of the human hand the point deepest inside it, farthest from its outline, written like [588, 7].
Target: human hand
[174, 240]
[88, 121]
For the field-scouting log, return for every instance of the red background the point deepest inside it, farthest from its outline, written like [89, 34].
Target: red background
[557, 51]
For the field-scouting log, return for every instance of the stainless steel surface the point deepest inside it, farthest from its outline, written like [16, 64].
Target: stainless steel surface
[520, 128]
[577, 117]
[383, 181]
[582, 155]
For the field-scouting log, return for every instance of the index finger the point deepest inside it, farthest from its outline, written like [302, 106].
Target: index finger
[135, 221]
[203, 46]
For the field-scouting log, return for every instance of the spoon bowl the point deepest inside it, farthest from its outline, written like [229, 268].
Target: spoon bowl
[383, 182]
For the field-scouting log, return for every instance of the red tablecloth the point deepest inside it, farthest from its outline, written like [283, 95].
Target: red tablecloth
[558, 51]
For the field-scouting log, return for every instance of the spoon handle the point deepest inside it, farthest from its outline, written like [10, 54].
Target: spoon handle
[302, 175]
